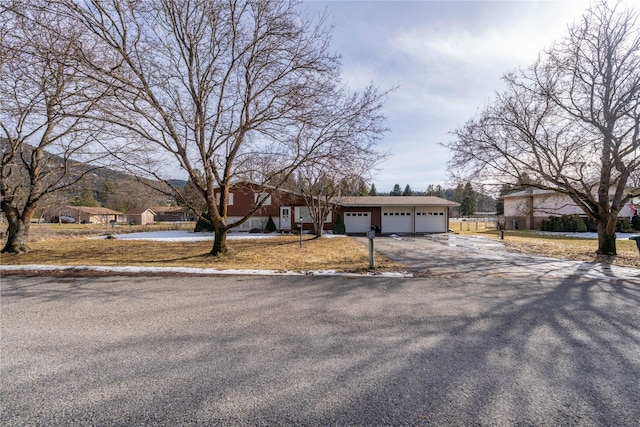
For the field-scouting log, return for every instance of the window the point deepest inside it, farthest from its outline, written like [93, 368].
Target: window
[262, 196]
[229, 202]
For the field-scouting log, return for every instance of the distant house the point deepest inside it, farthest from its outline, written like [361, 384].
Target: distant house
[395, 214]
[172, 214]
[526, 210]
[140, 216]
[84, 214]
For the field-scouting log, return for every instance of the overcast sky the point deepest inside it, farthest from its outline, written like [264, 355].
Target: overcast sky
[447, 59]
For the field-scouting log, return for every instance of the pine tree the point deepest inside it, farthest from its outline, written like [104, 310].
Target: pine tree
[397, 191]
[271, 226]
[407, 191]
[373, 191]
[468, 203]
[338, 227]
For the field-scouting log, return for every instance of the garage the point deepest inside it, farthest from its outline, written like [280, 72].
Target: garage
[397, 219]
[395, 214]
[430, 220]
[357, 222]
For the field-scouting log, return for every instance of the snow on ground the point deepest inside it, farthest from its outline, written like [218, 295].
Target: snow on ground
[191, 270]
[588, 235]
[190, 236]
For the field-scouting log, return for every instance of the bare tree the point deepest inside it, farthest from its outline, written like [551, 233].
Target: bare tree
[347, 129]
[226, 87]
[570, 123]
[43, 99]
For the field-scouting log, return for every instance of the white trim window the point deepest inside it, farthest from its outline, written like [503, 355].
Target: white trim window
[229, 202]
[258, 197]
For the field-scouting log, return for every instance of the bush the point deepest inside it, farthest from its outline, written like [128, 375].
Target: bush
[203, 224]
[271, 226]
[338, 227]
[635, 222]
[623, 226]
[564, 223]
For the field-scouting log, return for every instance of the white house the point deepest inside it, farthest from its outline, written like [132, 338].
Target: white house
[527, 209]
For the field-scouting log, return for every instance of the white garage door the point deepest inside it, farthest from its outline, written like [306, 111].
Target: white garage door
[357, 222]
[431, 220]
[397, 220]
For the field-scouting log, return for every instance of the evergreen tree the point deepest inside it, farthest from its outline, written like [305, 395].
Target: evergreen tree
[85, 198]
[397, 191]
[338, 227]
[373, 191]
[407, 191]
[468, 203]
[271, 226]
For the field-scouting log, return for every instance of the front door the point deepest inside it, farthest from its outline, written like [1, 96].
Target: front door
[285, 218]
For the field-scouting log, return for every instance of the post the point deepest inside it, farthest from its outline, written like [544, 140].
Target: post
[371, 234]
[371, 261]
[300, 231]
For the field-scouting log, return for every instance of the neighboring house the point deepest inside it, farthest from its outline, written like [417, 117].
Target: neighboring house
[140, 216]
[285, 207]
[527, 209]
[395, 214]
[172, 214]
[84, 214]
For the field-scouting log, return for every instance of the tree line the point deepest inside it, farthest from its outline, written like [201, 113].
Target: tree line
[471, 201]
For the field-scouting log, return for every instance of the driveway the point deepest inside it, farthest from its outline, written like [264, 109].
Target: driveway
[296, 350]
[480, 259]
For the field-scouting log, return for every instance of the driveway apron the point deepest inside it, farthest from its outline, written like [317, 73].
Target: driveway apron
[474, 258]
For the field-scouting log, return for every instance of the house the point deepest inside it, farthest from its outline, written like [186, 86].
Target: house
[286, 208]
[417, 214]
[140, 216]
[172, 214]
[529, 208]
[395, 214]
[84, 214]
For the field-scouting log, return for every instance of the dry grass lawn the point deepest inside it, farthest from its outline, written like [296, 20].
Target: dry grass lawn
[533, 243]
[53, 244]
[281, 253]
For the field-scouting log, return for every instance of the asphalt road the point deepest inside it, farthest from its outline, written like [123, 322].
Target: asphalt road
[452, 348]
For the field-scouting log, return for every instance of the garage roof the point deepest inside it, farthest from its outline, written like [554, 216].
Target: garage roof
[369, 201]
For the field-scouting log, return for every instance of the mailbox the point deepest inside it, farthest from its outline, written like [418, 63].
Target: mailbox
[371, 234]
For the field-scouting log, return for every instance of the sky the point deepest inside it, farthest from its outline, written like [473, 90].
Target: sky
[446, 59]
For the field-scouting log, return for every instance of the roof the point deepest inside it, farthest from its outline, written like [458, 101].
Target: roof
[94, 210]
[168, 209]
[138, 211]
[369, 201]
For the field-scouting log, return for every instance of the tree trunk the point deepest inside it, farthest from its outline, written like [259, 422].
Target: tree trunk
[220, 240]
[17, 232]
[607, 236]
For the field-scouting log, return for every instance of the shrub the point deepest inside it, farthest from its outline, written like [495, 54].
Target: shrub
[338, 227]
[635, 222]
[203, 223]
[271, 226]
[574, 223]
[623, 225]
[566, 223]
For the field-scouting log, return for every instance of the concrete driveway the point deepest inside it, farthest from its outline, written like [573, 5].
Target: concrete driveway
[480, 259]
[557, 349]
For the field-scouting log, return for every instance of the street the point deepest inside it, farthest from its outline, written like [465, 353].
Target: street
[550, 349]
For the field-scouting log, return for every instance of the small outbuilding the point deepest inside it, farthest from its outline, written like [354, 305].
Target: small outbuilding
[140, 216]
